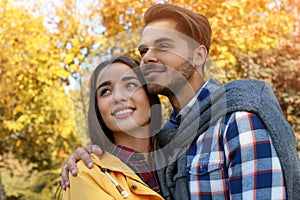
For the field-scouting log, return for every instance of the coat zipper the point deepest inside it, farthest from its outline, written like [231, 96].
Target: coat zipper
[115, 182]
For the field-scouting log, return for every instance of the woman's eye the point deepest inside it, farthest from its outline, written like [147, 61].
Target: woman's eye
[131, 85]
[104, 92]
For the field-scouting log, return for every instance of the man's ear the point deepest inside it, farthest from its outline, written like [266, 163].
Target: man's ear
[200, 55]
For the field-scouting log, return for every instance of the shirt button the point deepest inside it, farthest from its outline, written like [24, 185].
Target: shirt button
[200, 169]
[138, 157]
[134, 187]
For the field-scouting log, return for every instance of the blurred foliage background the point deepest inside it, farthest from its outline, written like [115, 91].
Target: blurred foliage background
[49, 48]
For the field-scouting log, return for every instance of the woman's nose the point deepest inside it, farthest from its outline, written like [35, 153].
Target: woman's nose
[120, 94]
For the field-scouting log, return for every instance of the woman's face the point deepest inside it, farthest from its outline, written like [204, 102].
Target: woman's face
[122, 101]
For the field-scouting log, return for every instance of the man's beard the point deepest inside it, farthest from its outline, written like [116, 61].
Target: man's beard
[184, 71]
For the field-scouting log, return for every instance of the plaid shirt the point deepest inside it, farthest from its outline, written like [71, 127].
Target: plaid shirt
[234, 159]
[137, 162]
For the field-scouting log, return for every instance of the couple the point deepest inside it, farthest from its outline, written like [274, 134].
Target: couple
[220, 142]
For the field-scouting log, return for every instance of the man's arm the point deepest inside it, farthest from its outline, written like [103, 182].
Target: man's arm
[81, 153]
[254, 167]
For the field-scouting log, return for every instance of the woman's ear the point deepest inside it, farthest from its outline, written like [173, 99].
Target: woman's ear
[199, 56]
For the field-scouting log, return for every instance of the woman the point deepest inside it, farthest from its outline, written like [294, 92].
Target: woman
[120, 121]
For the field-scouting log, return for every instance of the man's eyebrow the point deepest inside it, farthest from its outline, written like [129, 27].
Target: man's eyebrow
[164, 39]
[142, 46]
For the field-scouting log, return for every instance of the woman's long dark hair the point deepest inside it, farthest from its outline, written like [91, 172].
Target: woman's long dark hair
[98, 131]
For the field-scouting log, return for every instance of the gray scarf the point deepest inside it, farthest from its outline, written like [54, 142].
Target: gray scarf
[241, 95]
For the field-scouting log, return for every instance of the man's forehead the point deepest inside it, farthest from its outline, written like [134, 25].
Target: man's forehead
[154, 33]
[157, 32]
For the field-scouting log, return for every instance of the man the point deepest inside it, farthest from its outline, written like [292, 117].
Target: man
[221, 142]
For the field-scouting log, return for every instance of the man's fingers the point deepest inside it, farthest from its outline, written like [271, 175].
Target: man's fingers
[65, 177]
[70, 166]
[71, 163]
[83, 154]
[96, 150]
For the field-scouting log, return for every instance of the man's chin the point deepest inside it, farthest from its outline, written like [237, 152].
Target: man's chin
[154, 88]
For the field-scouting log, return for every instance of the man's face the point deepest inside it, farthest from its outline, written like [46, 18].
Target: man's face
[165, 57]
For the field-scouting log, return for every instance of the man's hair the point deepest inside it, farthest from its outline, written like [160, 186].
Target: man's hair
[192, 24]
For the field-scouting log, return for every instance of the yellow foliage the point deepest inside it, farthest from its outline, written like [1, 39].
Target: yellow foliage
[75, 42]
[69, 58]
[37, 61]
[18, 143]
[33, 101]
[18, 109]
[13, 125]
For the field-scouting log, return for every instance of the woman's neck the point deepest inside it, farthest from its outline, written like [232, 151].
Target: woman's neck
[137, 139]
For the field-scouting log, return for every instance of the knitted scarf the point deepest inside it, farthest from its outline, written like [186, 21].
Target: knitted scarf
[240, 95]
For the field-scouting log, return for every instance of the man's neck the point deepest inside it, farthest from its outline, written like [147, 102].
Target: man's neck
[185, 94]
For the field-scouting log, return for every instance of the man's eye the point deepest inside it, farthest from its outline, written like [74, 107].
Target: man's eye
[164, 46]
[143, 51]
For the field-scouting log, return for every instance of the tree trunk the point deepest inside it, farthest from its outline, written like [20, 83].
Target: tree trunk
[2, 191]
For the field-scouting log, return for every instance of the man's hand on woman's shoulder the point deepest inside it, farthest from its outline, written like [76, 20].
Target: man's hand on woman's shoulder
[81, 153]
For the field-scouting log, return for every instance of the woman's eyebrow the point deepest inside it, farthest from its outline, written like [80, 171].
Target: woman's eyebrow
[103, 84]
[126, 78]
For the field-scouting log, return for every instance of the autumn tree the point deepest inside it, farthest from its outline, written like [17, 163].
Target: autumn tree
[280, 67]
[35, 118]
[40, 50]
[239, 28]
[45, 46]
[2, 190]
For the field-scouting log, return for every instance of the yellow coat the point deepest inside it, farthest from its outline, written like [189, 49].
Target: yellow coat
[94, 184]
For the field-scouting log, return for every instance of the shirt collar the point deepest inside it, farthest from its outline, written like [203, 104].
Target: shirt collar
[125, 154]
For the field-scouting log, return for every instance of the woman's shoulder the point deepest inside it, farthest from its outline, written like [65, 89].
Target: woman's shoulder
[107, 161]
[107, 171]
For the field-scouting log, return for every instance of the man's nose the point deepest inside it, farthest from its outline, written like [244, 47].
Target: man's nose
[150, 56]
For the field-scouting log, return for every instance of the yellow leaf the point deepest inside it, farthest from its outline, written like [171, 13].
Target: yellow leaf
[69, 58]
[43, 58]
[18, 143]
[18, 109]
[50, 140]
[62, 73]
[23, 118]
[80, 57]
[75, 42]
[73, 67]
[13, 125]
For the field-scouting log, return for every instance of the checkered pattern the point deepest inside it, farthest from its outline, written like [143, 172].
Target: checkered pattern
[136, 161]
[234, 159]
